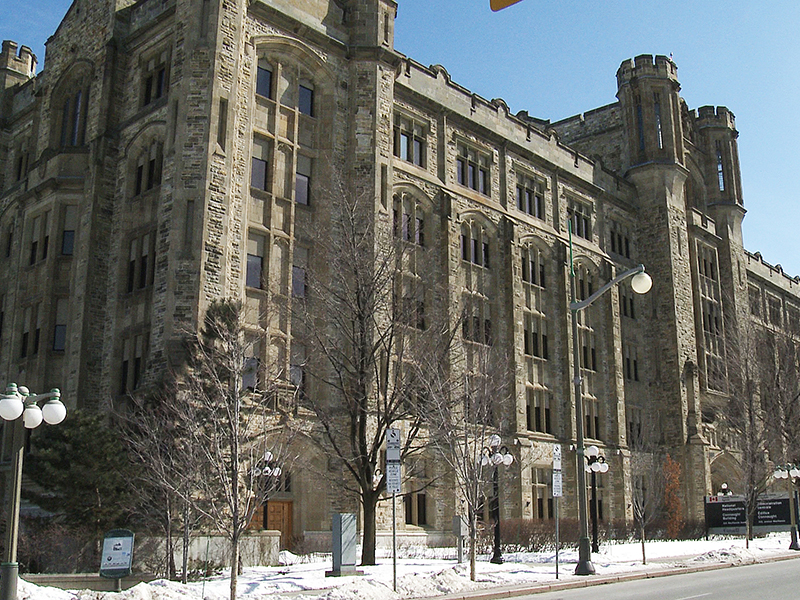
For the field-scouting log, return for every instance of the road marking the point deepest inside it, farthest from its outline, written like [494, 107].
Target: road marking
[691, 597]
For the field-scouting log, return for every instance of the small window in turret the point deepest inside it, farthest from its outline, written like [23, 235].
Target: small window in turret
[264, 80]
[720, 168]
[155, 79]
[657, 111]
[305, 103]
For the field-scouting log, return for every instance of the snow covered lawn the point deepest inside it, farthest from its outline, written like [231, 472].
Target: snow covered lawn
[428, 574]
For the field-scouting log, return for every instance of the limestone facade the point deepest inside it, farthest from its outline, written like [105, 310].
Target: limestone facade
[172, 152]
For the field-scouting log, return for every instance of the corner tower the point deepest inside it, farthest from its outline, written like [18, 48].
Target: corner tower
[654, 160]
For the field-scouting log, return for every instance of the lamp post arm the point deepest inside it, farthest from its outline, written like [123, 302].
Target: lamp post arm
[576, 306]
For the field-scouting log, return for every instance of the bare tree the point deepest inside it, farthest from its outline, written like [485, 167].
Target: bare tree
[647, 475]
[744, 414]
[361, 327]
[466, 397]
[222, 420]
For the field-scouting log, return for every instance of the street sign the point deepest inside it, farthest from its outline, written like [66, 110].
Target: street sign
[392, 445]
[393, 477]
[500, 4]
[556, 457]
[558, 486]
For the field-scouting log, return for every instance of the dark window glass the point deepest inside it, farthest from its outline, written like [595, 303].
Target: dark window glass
[59, 337]
[254, 267]
[264, 82]
[306, 101]
[258, 175]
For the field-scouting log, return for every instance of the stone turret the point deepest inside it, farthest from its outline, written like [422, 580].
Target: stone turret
[716, 127]
[648, 93]
[17, 65]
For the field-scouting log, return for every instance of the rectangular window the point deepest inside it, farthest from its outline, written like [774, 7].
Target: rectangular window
[259, 173]
[68, 232]
[155, 79]
[305, 102]
[141, 262]
[255, 261]
[542, 482]
[657, 110]
[720, 168]
[302, 187]
[264, 81]
[36, 231]
[298, 282]
[473, 170]
[409, 140]
[26, 331]
[60, 328]
[579, 217]
[530, 197]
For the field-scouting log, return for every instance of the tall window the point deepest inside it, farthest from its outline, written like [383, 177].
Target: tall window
[302, 185]
[473, 169]
[580, 216]
[409, 140]
[533, 267]
[40, 238]
[147, 174]
[408, 220]
[264, 79]
[60, 328]
[538, 410]
[657, 111]
[542, 482]
[254, 277]
[477, 321]
[141, 262]
[535, 332]
[530, 196]
[155, 78]
[475, 246]
[720, 167]
[305, 102]
[631, 357]
[68, 231]
[620, 239]
[259, 167]
[133, 363]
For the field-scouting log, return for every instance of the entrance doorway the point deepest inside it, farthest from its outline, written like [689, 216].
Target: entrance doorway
[279, 517]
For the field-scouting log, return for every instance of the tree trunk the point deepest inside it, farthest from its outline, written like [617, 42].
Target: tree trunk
[473, 543]
[641, 535]
[369, 504]
[234, 563]
[185, 575]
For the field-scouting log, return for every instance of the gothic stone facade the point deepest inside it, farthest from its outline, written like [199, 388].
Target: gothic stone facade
[173, 152]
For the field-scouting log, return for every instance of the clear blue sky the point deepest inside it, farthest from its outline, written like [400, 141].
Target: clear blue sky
[557, 59]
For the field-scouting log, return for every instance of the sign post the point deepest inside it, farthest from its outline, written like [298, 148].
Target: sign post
[393, 486]
[117, 557]
[558, 491]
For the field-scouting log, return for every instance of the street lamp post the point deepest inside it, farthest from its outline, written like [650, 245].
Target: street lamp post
[790, 473]
[21, 408]
[595, 463]
[496, 455]
[641, 284]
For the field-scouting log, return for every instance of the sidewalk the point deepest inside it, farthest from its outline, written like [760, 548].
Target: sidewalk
[579, 582]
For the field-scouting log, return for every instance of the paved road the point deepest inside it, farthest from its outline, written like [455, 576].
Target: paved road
[775, 580]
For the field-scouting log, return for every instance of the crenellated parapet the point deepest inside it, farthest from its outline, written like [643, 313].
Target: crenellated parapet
[18, 59]
[647, 66]
[716, 117]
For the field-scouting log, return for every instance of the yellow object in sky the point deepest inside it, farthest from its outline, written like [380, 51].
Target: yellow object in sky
[500, 4]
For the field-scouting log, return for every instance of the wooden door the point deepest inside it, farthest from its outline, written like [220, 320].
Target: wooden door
[279, 516]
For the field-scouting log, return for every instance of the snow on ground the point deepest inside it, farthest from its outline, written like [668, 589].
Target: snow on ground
[430, 572]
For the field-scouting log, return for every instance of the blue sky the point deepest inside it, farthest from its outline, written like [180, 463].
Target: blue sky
[557, 59]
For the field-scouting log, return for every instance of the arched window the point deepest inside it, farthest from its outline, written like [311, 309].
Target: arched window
[145, 167]
[69, 107]
[475, 246]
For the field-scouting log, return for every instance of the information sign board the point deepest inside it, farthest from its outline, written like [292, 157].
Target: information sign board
[117, 556]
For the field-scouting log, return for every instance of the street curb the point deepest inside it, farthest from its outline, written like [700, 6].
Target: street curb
[523, 590]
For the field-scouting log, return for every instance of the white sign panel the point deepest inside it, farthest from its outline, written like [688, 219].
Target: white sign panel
[393, 477]
[392, 445]
[556, 457]
[558, 487]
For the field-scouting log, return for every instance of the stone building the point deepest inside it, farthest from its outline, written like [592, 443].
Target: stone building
[172, 152]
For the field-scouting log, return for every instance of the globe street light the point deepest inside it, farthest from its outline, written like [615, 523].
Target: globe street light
[496, 455]
[790, 473]
[641, 284]
[21, 408]
[595, 463]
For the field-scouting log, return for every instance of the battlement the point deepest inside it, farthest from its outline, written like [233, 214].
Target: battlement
[710, 116]
[646, 65]
[23, 62]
